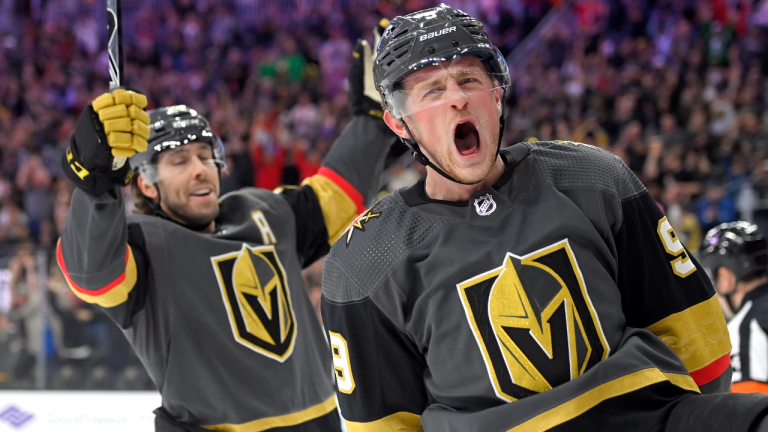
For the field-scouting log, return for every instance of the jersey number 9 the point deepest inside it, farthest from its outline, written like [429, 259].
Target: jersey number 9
[682, 265]
[341, 364]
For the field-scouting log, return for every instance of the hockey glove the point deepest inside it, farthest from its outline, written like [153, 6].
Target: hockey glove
[363, 96]
[114, 125]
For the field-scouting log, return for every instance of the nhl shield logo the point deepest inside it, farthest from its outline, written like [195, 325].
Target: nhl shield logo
[258, 300]
[485, 205]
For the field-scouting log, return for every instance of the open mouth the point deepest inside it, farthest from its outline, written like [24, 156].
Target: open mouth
[466, 138]
[202, 192]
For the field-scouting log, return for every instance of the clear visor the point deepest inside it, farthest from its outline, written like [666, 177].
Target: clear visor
[179, 161]
[460, 81]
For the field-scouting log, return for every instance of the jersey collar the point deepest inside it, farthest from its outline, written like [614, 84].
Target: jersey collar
[416, 194]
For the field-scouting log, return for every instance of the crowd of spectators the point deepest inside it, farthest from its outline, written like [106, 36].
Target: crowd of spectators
[676, 88]
[270, 75]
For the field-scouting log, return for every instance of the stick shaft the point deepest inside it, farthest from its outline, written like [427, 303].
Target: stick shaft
[115, 50]
[115, 44]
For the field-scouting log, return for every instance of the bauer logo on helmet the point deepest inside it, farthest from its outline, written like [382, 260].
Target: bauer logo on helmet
[437, 33]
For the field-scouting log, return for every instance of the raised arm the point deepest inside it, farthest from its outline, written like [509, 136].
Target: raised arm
[103, 260]
[329, 201]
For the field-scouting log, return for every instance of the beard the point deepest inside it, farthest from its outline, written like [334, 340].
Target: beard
[182, 213]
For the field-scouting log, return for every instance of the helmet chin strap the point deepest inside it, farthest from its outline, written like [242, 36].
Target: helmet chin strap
[424, 160]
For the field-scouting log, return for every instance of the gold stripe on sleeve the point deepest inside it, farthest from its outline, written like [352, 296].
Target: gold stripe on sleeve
[338, 208]
[698, 335]
[113, 294]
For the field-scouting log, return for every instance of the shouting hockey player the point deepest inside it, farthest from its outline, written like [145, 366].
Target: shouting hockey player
[208, 289]
[534, 288]
[736, 255]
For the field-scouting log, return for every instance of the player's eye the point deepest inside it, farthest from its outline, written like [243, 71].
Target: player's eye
[437, 91]
[179, 162]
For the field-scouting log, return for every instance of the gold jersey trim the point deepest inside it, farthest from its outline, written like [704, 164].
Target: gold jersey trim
[111, 295]
[698, 335]
[400, 421]
[291, 419]
[339, 210]
[620, 386]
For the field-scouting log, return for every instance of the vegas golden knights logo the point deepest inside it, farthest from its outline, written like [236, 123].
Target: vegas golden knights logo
[534, 322]
[258, 300]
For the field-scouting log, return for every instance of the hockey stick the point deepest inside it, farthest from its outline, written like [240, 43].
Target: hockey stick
[115, 50]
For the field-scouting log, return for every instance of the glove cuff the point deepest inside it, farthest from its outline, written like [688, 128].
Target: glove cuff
[96, 181]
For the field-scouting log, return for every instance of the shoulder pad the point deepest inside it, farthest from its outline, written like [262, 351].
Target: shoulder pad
[568, 164]
[251, 197]
[361, 259]
[250, 192]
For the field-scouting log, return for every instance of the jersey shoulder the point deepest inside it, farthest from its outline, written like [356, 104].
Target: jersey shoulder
[140, 222]
[568, 164]
[373, 245]
[243, 202]
[252, 194]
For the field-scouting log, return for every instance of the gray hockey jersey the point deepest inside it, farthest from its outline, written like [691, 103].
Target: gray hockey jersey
[560, 298]
[222, 321]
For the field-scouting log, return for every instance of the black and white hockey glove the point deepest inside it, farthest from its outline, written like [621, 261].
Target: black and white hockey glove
[115, 125]
[363, 96]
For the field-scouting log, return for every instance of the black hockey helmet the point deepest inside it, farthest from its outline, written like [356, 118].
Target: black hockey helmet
[738, 246]
[171, 127]
[431, 37]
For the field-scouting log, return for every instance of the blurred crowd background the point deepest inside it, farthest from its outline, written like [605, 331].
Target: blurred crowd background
[676, 88]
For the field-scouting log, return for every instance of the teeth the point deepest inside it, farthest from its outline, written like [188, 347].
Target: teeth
[202, 192]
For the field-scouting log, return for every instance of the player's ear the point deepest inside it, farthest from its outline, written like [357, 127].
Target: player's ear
[396, 125]
[148, 189]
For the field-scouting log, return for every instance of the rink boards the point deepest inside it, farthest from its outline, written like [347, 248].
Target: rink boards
[81, 411]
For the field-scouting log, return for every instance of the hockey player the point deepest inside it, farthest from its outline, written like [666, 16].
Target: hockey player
[736, 255]
[534, 288]
[208, 289]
